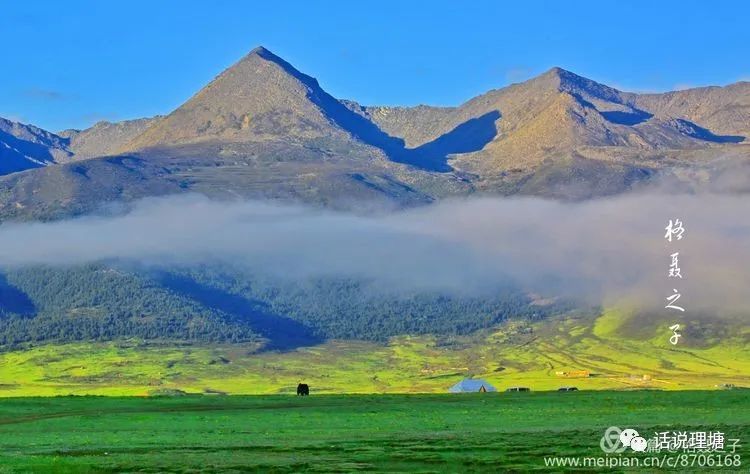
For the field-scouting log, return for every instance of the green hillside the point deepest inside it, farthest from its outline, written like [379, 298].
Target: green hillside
[98, 303]
[218, 304]
[513, 354]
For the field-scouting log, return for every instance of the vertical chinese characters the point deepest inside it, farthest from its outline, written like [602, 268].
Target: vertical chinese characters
[675, 231]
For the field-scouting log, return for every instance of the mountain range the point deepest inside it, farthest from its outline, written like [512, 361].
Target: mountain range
[263, 129]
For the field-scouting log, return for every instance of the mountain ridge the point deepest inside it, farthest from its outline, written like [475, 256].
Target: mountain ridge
[263, 129]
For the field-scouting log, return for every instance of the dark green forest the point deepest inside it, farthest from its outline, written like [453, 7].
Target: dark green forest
[220, 304]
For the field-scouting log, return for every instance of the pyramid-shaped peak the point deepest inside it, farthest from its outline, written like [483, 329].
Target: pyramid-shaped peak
[260, 50]
[567, 81]
[558, 71]
[264, 53]
[563, 75]
[267, 55]
[260, 97]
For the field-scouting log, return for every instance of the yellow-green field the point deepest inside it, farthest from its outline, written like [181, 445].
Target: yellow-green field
[516, 354]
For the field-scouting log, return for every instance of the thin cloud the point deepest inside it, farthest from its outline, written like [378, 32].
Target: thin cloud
[600, 251]
[684, 87]
[15, 118]
[47, 95]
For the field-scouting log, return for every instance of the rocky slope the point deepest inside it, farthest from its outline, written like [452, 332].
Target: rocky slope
[104, 138]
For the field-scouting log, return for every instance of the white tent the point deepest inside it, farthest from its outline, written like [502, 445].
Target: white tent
[472, 385]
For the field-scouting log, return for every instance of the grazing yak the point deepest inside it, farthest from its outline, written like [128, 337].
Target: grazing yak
[303, 389]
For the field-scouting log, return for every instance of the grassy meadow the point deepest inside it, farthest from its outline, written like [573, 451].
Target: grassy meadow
[343, 433]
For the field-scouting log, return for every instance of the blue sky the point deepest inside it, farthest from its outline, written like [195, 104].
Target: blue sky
[70, 64]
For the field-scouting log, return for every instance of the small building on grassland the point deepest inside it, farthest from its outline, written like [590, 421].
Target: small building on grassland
[574, 373]
[472, 385]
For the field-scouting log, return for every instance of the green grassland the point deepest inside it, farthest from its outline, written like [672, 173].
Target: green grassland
[513, 354]
[345, 433]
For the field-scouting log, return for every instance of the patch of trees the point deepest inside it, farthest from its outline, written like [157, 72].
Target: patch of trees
[348, 309]
[98, 303]
[212, 304]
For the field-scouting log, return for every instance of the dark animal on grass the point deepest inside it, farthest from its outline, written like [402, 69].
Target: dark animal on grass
[303, 389]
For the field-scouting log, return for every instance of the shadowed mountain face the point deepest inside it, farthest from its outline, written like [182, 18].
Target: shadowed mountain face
[470, 136]
[25, 147]
[13, 300]
[282, 332]
[263, 129]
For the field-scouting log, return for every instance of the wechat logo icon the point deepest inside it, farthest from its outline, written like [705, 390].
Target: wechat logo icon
[616, 440]
[639, 444]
